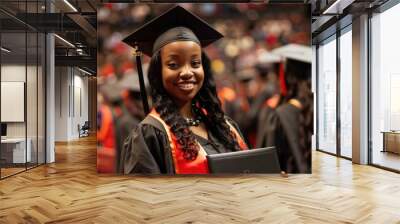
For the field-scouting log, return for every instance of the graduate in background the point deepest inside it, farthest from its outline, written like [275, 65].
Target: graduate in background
[131, 113]
[289, 127]
[121, 112]
[266, 94]
[186, 122]
[239, 108]
[107, 143]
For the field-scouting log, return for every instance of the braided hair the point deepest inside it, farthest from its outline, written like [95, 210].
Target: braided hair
[205, 105]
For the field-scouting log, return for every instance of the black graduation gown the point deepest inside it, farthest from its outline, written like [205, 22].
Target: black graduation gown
[147, 148]
[247, 121]
[124, 124]
[280, 128]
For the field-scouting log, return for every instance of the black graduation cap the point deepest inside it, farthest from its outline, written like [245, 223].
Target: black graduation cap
[177, 24]
[298, 63]
[298, 59]
[153, 35]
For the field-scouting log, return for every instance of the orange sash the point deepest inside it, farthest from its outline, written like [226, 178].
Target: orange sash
[200, 164]
[106, 149]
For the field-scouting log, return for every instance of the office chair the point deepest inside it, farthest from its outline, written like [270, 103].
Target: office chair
[84, 130]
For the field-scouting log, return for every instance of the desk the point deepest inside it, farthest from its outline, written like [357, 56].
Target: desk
[13, 150]
[391, 141]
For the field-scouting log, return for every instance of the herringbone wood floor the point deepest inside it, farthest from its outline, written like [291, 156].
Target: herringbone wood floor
[70, 191]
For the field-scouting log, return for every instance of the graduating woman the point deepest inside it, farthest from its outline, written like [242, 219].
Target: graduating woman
[186, 122]
[289, 127]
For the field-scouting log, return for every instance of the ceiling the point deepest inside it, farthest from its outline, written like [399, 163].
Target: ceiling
[77, 27]
[329, 16]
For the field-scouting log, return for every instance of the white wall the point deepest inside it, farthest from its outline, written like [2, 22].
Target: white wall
[61, 103]
[16, 73]
[33, 127]
[71, 93]
[13, 72]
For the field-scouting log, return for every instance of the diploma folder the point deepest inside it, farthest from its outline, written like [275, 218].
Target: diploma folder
[262, 160]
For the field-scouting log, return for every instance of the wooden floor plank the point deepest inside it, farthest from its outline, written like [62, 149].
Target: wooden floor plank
[70, 191]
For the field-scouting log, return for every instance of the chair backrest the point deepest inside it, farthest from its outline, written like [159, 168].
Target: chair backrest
[86, 125]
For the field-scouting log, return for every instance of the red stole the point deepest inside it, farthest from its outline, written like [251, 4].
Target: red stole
[200, 164]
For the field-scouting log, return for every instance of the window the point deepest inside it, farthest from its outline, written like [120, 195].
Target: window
[327, 96]
[22, 75]
[346, 93]
[385, 89]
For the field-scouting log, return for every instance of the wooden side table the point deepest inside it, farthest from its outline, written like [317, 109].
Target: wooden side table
[391, 141]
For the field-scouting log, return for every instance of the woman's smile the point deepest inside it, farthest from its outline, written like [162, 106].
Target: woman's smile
[187, 86]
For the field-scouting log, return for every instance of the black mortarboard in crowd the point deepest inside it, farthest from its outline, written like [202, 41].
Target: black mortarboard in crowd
[177, 24]
[298, 59]
[298, 63]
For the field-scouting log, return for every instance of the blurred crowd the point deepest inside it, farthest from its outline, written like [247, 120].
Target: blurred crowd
[249, 30]
[247, 75]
